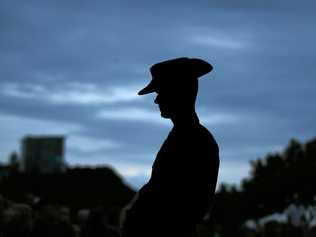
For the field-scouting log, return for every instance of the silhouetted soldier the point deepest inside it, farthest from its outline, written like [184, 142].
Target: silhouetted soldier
[184, 174]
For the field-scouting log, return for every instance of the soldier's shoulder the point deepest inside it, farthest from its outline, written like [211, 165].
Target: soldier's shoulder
[206, 137]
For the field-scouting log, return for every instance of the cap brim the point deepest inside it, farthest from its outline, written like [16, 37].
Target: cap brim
[150, 88]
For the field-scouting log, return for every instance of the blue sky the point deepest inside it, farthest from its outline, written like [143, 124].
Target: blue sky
[75, 67]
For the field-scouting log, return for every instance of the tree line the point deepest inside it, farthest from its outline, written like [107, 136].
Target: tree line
[275, 181]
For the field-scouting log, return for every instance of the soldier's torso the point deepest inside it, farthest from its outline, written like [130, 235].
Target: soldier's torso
[187, 164]
[183, 179]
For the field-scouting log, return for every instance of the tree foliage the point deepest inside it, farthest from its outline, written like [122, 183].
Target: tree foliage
[275, 181]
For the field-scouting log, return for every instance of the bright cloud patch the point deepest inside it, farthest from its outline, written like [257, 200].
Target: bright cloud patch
[219, 42]
[90, 144]
[231, 171]
[218, 118]
[72, 93]
[217, 38]
[133, 114]
[133, 169]
[150, 116]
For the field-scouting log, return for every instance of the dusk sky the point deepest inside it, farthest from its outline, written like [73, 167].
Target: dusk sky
[74, 68]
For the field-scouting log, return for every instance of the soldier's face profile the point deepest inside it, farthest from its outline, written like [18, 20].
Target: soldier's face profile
[168, 104]
[176, 99]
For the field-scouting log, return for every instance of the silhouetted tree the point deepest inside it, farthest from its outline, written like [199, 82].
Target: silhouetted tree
[274, 182]
[14, 163]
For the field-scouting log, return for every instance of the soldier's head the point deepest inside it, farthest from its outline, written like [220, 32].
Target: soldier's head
[180, 100]
[176, 84]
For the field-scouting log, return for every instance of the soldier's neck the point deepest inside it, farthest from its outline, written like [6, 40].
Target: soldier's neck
[186, 119]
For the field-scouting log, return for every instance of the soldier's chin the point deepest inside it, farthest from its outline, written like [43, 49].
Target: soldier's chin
[164, 114]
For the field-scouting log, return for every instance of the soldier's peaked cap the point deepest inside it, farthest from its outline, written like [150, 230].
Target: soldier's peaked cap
[175, 71]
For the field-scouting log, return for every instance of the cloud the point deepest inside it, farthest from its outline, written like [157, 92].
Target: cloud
[219, 118]
[233, 171]
[130, 170]
[14, 128]
[268, 5]
[135, 172]
[138, 114]
[213, 40]
[89, 144]
[18, 127]
[21, 125]
[253, 151]
[135, 114]
[89, 58]
[72, 93]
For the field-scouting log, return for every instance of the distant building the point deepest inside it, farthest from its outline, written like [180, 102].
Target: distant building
[43, 154]
[4, 171]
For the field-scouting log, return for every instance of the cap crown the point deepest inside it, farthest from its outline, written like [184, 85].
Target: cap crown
[189, 67]
[179, 71]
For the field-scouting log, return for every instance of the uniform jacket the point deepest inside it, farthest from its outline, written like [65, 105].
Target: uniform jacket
[182, 183]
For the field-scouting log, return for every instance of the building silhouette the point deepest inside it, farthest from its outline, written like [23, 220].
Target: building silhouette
[4, 171]
[43, 154]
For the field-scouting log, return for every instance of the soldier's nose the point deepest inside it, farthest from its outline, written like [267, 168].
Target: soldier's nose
[156, 100]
